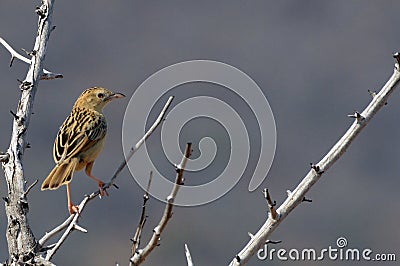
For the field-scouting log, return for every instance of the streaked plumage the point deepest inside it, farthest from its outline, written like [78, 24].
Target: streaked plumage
[80, 140]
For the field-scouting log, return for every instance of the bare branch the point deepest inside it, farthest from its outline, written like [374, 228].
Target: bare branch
[141, 255]
[46, 73]
[70, 223]
[20, 239]
[298, 195]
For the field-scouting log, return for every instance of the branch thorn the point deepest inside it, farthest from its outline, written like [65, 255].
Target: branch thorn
[317, 169]
[373, 94]
[25, 85]
[306, 200]
[16, 117]
[41, 11]
[6, 199]
[357, 116]
[4, 157]
[30, 53]
[397, 57]
[12, 60]
[177, 168]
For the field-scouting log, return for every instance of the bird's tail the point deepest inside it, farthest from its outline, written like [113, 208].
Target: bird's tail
[60, 175]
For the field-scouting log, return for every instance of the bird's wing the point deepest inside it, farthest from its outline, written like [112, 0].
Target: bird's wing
[80, 131]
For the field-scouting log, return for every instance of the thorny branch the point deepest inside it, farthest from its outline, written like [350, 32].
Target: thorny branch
[298, 194]
[140, 255]
[21, 242]
[46, 73]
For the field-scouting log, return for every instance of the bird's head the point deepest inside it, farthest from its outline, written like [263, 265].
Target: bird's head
[96, 98]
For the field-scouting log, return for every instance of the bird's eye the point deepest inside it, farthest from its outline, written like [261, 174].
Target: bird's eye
[100, 95]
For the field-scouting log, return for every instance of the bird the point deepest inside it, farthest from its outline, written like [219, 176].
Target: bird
[80, 140]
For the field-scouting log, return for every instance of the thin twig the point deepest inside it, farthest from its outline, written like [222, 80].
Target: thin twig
[30, 187]
[298, 195]
[52, 233]
[46, 73]
[4, 157]
[140, 142]
[142, 221]
[71, 226]
[141, 255]
[188, 256]
[271, 205]
[72, 219]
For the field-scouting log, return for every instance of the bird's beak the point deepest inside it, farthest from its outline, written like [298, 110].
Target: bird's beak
[115, 96]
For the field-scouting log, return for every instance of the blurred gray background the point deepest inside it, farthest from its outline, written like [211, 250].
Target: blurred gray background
[314, 60]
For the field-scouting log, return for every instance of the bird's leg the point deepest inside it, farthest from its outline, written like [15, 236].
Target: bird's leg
[71, 207]
[88, 171]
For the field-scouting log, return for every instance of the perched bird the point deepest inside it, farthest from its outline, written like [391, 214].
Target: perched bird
[80, 140]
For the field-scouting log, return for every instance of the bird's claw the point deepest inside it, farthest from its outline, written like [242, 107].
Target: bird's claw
[102, 191]
[73, 209]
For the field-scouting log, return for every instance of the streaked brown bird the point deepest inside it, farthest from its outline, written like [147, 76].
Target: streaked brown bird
[80, 140]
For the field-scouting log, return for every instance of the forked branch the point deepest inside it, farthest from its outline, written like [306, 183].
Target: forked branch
[141, 254]
[46, 73]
